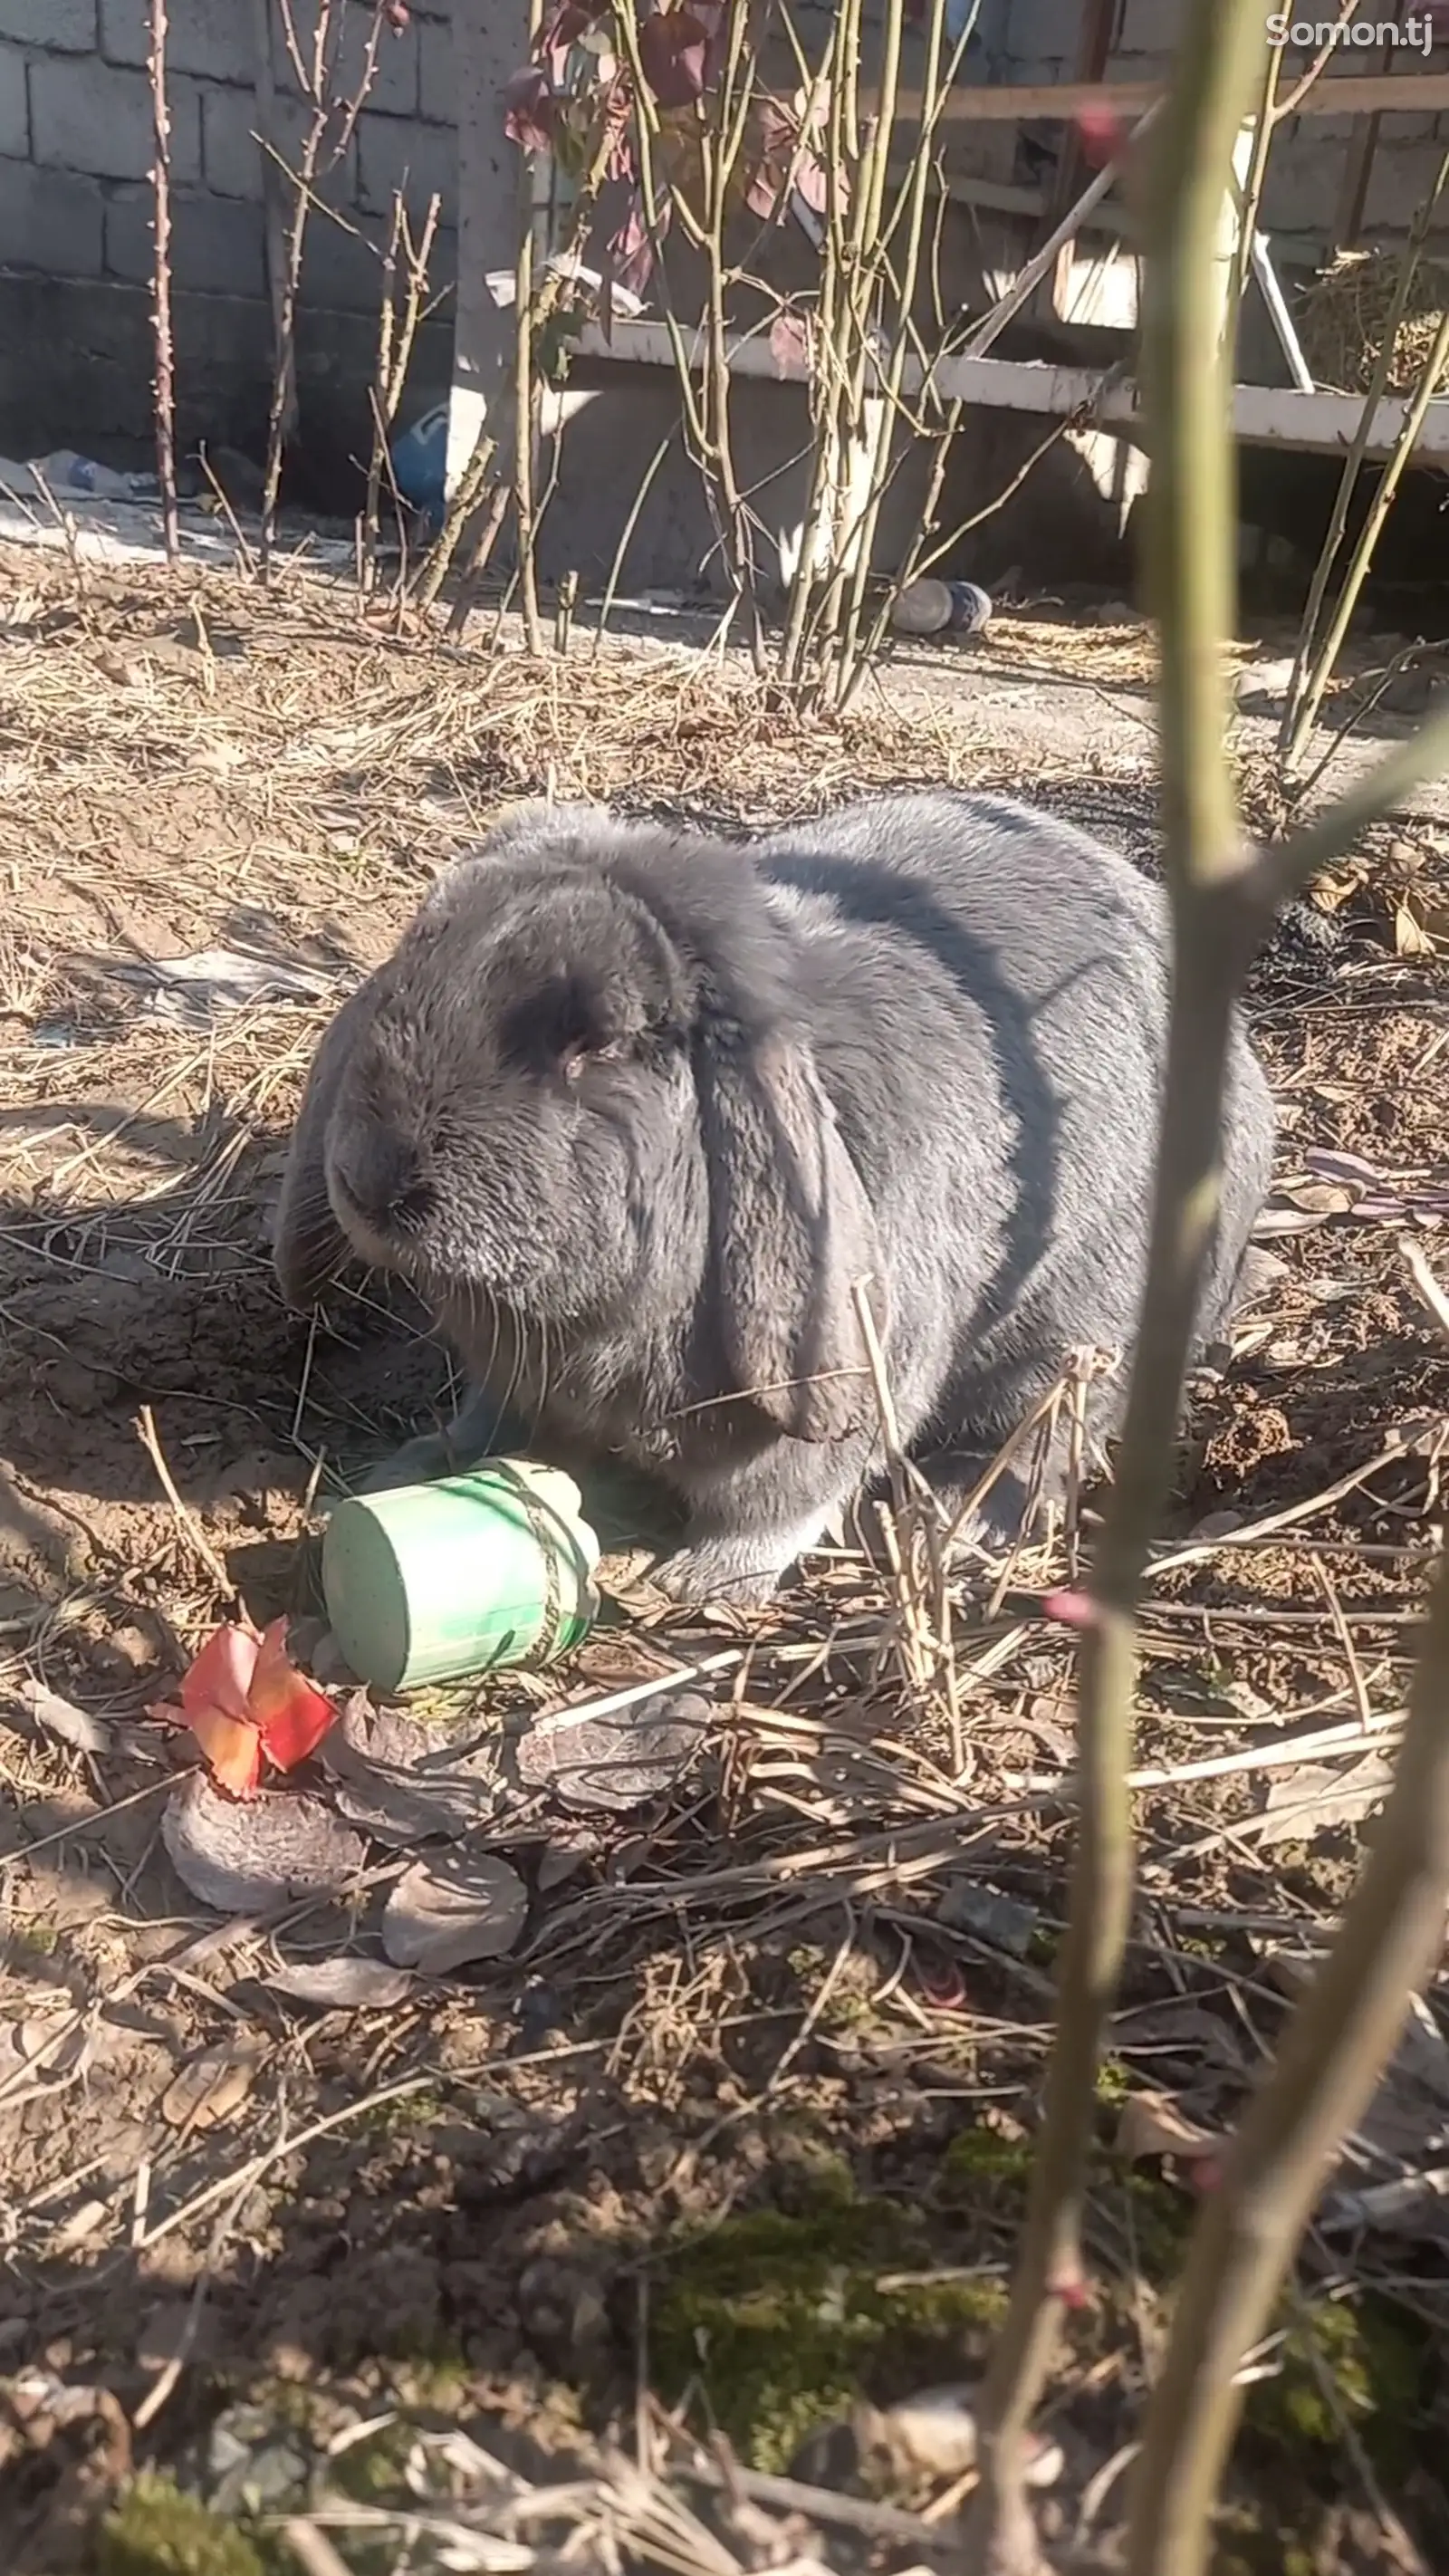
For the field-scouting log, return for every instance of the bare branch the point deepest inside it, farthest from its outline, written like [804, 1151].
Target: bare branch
[1185, 391]
[161, 282]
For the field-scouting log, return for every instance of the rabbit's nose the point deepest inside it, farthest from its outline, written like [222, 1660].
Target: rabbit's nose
[381, 1173]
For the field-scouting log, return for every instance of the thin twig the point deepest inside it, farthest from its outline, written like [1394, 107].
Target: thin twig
[195, 1535]
[161, 282]
[1185, 383]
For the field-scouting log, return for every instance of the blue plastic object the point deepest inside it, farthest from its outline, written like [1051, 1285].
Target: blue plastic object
[970, 607]
[419, 465]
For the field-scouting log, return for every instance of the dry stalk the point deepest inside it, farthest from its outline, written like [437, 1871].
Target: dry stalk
[867, 342]
[526, 389]
[396, 333]
[331, 124]
[492, 452]
[1254, 182]
[706, 408]
[917, 1559]
[1329, 2062]
[1224, 894]
[1317, 652]
[161, 281]
[1222, 897]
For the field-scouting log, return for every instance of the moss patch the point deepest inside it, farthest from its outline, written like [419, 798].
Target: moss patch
[1364, 2362]
[786, 2317]
[157, 2531]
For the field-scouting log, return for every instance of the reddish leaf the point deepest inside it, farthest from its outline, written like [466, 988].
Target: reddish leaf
[789, 341]
[232, 1747]
[398, 16]
[813, 182]
[221, 1676]
[292, 1714]
[570, 20]
[530, 110]
[629, 257]
[673, 52]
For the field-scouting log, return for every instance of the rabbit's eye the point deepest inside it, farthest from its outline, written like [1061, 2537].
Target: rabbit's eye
[575, 1060]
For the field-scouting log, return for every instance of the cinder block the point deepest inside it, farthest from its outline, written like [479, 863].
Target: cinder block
[231, 156]
[1399, 184]
[214, 38]
[87, 115]
[65, 26]
[14, 108]
[437, 74]
[1301, 190]
[342, 272]
[216, 247]
[1420, 126]
[419, 159]
[1151, 27]
[1041, 35]
[394, 90]
[50, 220]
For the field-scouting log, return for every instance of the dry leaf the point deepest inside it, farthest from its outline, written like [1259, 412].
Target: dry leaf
[1310, 1801]
[55, 2047]
[208, 2090]
[454, 1909]
[60, 1717]
[617, 1761]
[1152, 2125]
[1001, 1921]
[933, 2434]
[245, 1859]
[81, 2226]
[343, 1985]
[1177, 2027]
[1415, 2205]
[1332, 1165]
[404, 1783]
[1411, 939]
[167, 2335]
[560, 1863]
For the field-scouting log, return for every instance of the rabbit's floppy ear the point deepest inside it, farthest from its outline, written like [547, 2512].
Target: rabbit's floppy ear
[792, 1237]
[308, 1245]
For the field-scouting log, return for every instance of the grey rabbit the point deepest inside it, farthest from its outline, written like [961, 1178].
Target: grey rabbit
[636, 1111]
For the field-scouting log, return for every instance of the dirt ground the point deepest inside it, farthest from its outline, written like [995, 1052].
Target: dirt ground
[736, 2135]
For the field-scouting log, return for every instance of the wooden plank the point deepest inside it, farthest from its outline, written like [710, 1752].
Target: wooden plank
[1336, 94]
[1263, 415]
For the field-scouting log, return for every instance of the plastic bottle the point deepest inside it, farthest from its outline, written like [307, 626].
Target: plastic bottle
[419, 464]
[930, 607]
[429, 1583]
[65, 471]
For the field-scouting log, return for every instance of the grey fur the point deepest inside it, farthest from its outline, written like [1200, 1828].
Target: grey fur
[635, 1110]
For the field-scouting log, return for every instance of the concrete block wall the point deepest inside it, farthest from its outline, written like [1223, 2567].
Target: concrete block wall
[76, 146]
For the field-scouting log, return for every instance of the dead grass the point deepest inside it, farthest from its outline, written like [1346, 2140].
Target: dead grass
[835, 1937]
[1343, 314]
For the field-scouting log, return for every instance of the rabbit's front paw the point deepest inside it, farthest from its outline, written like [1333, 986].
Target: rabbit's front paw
[742, 1572]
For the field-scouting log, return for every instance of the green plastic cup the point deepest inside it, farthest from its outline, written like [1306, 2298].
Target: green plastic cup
[430, 1583]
